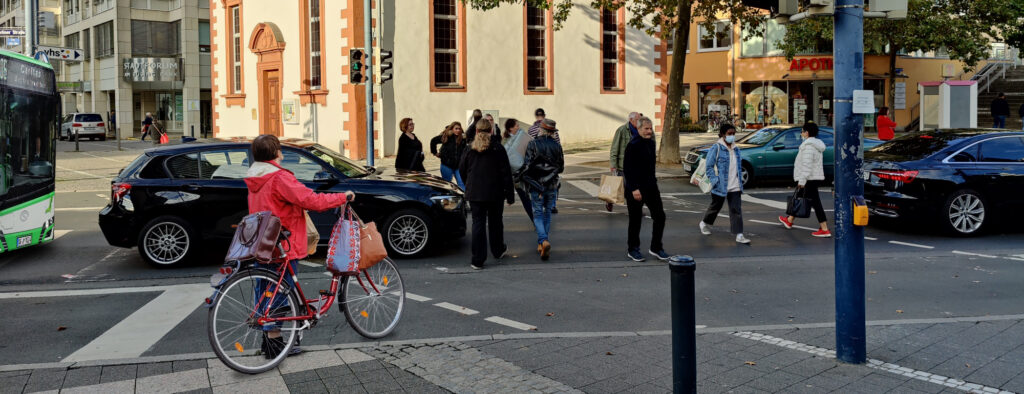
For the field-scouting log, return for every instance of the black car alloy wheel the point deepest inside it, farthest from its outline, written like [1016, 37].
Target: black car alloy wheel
[407, 232]
[965, 212]
[166, 240]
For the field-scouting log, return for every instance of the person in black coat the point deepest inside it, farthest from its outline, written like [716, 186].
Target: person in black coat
[453, 146]
[410, 149]
[543, 163]
[488, 178]
[641, 188]
[1000, 111]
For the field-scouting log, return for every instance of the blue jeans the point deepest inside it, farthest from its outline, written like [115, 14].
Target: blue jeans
[543, 203]
[999, 122]
[281, 299]
[447, 173]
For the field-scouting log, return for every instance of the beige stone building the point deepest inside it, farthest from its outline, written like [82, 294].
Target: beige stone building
[140, 56]
[283, 68]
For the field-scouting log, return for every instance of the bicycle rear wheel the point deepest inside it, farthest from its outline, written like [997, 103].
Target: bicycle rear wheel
[373, 300]
[236, 336]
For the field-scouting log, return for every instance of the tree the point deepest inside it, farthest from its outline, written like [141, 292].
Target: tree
[964, 28]
[658, 18]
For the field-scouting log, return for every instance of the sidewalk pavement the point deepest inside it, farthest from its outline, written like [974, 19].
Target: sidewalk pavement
[978, 355]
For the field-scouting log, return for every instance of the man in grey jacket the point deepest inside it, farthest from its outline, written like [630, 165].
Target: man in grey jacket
[623, 135]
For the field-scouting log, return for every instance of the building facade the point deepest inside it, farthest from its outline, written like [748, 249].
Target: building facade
[140, 56]
[12, 14]
[285, 71]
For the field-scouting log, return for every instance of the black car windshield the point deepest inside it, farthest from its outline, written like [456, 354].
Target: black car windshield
[348, 167]
[918, 146]
[761, 137]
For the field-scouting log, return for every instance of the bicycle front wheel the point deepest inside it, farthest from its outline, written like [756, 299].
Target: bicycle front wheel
[373, 299]
[238, 339]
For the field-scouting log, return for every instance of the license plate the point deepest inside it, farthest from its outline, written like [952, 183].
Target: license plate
[23, 241]
[687, 167]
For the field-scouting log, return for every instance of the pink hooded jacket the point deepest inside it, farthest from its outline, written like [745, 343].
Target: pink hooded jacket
[275, 189]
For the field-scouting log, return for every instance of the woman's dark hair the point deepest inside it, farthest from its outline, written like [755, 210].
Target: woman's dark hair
[725, 129]
[404, 124]
[884, 111]
[509, 123]
[811, 128]
[477, 114]
[265, 147]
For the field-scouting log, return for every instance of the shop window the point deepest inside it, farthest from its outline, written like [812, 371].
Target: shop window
[764, 103]
[539, 49]
[718, 40]
[448, 31]
[105, 39]
[156, 39]
[613, 56]
[715, 104]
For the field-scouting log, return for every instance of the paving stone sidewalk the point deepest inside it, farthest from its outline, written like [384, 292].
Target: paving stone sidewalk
[926, 357]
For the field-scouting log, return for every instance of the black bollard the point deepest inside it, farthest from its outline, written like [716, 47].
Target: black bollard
[684, 325]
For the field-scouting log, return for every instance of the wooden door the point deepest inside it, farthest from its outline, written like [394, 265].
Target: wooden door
[272, 103]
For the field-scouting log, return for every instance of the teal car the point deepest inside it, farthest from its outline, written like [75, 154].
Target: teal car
[769, 152]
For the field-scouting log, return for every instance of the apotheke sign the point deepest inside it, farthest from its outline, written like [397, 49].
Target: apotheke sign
[151, 69]
[812, 64]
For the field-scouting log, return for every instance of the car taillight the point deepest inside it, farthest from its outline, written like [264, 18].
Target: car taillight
[99, 124]
[118, 191]
[76, 125]
[899, 176]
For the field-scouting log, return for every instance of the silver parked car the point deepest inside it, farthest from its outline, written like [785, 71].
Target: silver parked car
[84, 125]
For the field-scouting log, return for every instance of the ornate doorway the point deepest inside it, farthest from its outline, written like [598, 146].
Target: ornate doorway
[267, 43]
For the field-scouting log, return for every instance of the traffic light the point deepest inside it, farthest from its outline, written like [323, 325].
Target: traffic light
[385, 65]
[356, 68]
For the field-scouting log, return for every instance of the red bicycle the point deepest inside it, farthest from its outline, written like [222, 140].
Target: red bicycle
[253, 304]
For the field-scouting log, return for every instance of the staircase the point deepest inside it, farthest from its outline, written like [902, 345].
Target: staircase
[1012, 84]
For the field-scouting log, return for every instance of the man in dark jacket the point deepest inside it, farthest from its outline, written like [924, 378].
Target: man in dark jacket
[543, 163]
[488, 178]
[1000, 111]
[642, 188]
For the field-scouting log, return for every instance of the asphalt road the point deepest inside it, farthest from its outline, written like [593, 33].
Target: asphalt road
[785, 276]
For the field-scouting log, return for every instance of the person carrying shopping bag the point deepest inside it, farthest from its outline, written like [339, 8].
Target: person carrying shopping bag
[539, 173]
[617, 153]
[809, 173]
[488, 178]
[724, 168]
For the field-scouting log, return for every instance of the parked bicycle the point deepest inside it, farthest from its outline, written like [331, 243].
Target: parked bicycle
[249, 299]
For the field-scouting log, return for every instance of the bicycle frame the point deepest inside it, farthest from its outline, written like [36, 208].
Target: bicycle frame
[310, 313]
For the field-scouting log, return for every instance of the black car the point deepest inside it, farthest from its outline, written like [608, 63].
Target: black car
[960, 179]
[173, 201]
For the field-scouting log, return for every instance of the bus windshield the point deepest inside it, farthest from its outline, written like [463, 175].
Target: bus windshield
[28, 126]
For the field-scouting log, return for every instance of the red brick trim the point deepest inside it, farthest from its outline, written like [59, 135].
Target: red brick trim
[306, 94]
[549, 46]
[620, 21]
[214, 87]
[355, 106]
[232, 98]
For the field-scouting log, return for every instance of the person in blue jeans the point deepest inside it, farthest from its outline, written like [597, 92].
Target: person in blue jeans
[1000, 111]
[543, 163]
[453, 145]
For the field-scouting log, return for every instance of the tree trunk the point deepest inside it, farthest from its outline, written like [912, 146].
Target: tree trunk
[891, 96]
[668, 153]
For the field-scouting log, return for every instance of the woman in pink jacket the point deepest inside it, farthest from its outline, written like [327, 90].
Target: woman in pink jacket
[275, 189]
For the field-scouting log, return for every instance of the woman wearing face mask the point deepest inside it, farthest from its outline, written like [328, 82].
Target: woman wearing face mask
[724, 171]
[809, 173]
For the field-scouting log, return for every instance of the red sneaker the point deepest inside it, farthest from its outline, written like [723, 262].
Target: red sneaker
[822, 234]
[785, 222]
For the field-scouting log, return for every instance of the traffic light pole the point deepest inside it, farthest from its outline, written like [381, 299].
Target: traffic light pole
[848, 47]
[368, 37]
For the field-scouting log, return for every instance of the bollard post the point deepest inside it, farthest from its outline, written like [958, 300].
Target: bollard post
[76, 141]
[684, 325]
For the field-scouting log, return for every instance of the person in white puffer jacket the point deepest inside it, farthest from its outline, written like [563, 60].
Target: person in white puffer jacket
[809, 173]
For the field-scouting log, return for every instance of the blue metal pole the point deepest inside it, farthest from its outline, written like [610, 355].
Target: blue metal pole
[848, 47]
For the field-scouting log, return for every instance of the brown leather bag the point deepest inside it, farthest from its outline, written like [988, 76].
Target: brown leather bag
[371, 246]
[255, 238]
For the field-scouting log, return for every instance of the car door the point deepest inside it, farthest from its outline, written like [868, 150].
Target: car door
[223, 193]
[184, 171]
[781, 152]
[1003, 158]
[321, 179]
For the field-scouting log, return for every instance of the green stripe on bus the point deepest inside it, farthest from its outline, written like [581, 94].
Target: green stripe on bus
[27, 204]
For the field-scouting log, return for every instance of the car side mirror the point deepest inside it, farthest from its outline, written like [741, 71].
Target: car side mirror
[324, 177]
[778, 147]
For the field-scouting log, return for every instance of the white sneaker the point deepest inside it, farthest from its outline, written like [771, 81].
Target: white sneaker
[741, 239]
[705, 228]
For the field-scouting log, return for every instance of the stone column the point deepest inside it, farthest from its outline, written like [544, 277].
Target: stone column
[190, 68]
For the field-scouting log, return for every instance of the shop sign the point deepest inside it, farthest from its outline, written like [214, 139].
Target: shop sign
[69, 87]
[151, 69]
[813, 64]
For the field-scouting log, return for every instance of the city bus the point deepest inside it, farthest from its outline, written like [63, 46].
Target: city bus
[29, 121]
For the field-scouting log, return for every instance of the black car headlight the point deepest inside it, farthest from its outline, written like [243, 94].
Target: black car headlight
[449, 203]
